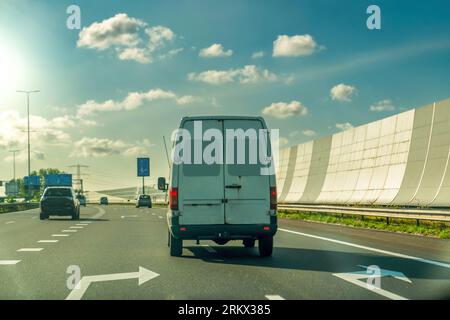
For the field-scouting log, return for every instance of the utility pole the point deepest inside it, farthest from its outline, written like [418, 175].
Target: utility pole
[78, 179]
[14, 163]
[28, 128]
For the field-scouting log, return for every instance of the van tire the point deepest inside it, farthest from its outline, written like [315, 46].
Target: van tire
[176, 246]
[43, 216]
[265, 246]
[249, 243]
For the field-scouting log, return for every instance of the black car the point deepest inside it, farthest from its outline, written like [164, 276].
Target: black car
[104, 200]
[143, 200]
[59, 201]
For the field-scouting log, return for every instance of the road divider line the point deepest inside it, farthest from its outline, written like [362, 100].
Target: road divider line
[75, 227]
[81, 224]
[69, 230]
[9, 222]
[274, 297]
[30, 249]
[60, 235]
[47, 241]
[9, 262]
[390, 253]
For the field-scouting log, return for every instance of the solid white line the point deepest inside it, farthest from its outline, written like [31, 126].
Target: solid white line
[208, 248]
[274, 297]
[60, 235]
[9, 222]
[47, 241]
[8, 262]
[30, 249]
[69, 230]
[395, 254]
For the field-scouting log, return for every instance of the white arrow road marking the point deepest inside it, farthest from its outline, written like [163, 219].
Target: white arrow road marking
[357, 277]
[274, 297]
[9, 222]
[60, 235]
[47, 241]
[143, 275]
[390, 253]
[8, 262]
[30, 249]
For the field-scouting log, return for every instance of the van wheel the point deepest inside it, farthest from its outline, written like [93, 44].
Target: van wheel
[43, 216]
[176, 246]
[249, 243]
[265, 246]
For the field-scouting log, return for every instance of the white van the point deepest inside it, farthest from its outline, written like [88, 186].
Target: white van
[232, 199]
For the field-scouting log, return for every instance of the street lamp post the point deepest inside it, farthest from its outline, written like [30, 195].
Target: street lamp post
[28, 129]
[14, 163]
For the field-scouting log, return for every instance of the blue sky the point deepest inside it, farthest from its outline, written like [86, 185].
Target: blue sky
[323, 45]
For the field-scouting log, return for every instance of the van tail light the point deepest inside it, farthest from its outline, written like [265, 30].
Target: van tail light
[273, 198]
[173, 198]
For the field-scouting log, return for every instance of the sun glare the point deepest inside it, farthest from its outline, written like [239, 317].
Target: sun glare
[10, 70]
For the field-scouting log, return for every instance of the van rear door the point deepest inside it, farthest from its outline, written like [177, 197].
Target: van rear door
[247, 191]
[200, 186]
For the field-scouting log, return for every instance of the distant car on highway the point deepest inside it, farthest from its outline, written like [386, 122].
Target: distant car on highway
[104, 200]
[143, 200]
[235, 200]
[59, 201]
[82, 199]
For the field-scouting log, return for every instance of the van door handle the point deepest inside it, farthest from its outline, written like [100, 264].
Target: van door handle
[233, 186]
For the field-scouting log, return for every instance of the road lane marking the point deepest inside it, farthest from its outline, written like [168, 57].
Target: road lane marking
[8, 262]
[153, 214]
[9, 222]
[81, 224]
[357, 278]
[47, 241]
[274, 297]
[143, 275]
[390, 253]
[30, 249]
[75, 227]
[208, 248]
[131, 216]
[160, 217]
[60, 235]
[69, 230]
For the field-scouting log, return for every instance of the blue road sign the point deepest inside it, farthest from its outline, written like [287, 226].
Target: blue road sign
[143, 167]
[33, 181]
[62, 179]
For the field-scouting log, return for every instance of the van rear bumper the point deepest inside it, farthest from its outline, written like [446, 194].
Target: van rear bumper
[223, 231]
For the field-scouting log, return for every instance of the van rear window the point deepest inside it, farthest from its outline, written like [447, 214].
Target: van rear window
[63, 192]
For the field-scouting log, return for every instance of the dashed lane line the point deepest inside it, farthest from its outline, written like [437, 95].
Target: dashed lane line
[69, 230]
[274, 297]
[47, 241]
[8, 262]
[60, 235]
[30, 249]
[9, 222]
[76, 227]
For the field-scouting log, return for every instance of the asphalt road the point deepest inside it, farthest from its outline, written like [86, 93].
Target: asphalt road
[112, 243]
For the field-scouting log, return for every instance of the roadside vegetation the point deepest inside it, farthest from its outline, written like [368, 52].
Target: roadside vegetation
[425, 228]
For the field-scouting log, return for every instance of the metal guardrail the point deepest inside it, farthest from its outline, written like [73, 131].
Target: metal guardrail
[20, 206]
[441, 215]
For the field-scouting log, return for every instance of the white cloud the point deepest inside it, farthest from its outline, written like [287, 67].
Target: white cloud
[309, 133]
[342, 92]
[283, 110]
[119, 30]
[294, 46]
[215, 50]
[344, 126]
[132, 101]
[44, 131]
[102, 147]
[137, 54]
[383, 105]
[126, 35]
[258, 54]
[245, 75]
